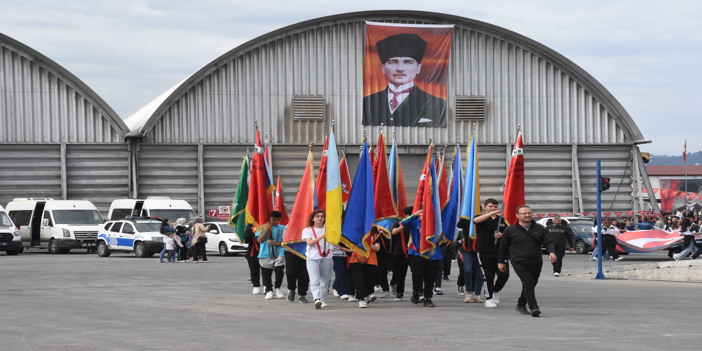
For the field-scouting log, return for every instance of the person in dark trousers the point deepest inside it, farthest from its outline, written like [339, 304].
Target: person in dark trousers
[400, 258]
[521, 244]
[559, 234]
[384, 257]
[424, 266]
[488, 231]
[270, 256]
[297, 277]
[252, 258]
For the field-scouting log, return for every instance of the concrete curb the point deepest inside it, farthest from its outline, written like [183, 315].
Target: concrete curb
[677, 271]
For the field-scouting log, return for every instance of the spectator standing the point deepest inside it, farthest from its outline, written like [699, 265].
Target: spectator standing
[199, 240]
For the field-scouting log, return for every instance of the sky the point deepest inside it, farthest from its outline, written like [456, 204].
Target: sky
[647, 53]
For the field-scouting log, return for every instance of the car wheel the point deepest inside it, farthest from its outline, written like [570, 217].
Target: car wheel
[12, 252]
[103, 250]
[140, 250]
[580, 247]
[53, 247]
[223, 249]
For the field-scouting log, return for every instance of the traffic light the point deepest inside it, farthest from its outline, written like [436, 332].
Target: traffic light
[604, 183]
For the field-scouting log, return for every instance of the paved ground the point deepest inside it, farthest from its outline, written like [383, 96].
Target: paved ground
[83, 302]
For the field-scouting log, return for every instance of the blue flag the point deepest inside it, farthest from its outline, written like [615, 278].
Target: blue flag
[360, 210]
[471, 192]
[449, 215]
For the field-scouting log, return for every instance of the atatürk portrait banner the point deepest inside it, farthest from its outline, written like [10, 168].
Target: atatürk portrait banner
[405, 68]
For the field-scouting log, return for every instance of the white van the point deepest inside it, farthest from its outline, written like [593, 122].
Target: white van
[10, 239]
[153, 206]
[59, 225]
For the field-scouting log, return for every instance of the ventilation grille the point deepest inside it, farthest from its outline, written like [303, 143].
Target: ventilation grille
[470, 108]
[308, 107]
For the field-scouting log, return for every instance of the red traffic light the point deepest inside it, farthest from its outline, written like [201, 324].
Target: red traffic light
[604, 183]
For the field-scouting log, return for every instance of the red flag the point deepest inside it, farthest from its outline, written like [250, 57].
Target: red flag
[321, 187]
[513, 196]
[384, 204]
[303, 206]
[685, 152]
[280, 202]
[422, 179]
[258, 206]
[345, 180]
[443, 184]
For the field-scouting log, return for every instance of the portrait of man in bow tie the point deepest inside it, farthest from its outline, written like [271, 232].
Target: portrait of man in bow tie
[402, 102]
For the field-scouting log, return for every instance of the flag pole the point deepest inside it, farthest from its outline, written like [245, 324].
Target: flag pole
[685, 160]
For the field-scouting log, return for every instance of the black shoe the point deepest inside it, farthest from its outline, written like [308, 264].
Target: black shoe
[414, 299]
[535, 312]
[428, 303]
[302, 299]
[291, 295]
[521, 309]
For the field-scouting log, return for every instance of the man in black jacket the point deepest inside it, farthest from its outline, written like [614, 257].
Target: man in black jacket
[559, 234]
[521, 244]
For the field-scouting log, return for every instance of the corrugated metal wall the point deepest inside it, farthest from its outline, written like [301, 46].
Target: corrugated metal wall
[39, 105]
[520, 87]
[168, 170]
[30, 171]
[99, 173]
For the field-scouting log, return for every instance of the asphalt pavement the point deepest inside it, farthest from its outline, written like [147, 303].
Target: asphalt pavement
[80, 301]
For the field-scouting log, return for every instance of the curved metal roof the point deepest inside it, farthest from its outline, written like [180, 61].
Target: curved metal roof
[145, 119]
[68, 78]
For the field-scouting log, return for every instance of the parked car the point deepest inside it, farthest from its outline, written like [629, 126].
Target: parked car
[10, 239]
[582, 231]
[222, 238]
[141, 235]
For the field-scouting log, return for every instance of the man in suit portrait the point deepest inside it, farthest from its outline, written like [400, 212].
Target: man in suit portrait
[402, 103]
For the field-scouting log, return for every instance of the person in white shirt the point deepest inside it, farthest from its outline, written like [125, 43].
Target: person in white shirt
[169, 243]
[319, 257]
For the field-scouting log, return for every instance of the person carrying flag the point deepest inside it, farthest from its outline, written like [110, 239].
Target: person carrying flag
[270, 256]
[319, 257]
[489, 227]
[424, 270]
[400, 257]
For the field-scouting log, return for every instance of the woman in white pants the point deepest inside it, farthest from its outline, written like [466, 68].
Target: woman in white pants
[319, 257]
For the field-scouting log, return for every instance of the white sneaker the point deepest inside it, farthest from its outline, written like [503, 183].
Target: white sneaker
[269, 295]
[556, 274]
[377, 288]
[324, 304]
[469, 298]
[619, 259]
[317, 304]
[362, 304]
[352, 299]
[335, 292]
[385, 294]
[477, 299]
[371, 298]
[496, 298]
[279, 294]
[344, 297]
[256, 290]
[490, 304]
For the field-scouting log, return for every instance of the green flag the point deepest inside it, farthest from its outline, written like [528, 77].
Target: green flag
[237, 217]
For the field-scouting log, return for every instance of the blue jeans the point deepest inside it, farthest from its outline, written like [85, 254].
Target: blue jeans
[341, 275]
[468, 265]
[163, 252]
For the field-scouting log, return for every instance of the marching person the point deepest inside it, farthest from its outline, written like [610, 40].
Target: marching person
[252, 258]
[319, 257]
[488, 231]
[559, 234]
[400, 257]
[521, 244]
[609, 239]
[270, 255]
[364, 270]
[424, 269]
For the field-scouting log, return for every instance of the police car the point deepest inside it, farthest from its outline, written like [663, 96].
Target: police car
[141, 235]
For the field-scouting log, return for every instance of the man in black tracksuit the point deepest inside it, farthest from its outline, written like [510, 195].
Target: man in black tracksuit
[521, 245]
[488, 230]
[559, 234]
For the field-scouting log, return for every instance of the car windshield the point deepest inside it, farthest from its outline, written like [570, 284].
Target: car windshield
[581, 227]
[77, 217]
[4, 220]
[172, 214]
[226, 228]
[148, 227]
